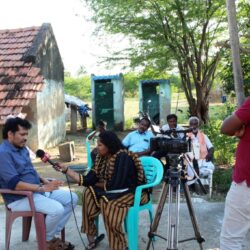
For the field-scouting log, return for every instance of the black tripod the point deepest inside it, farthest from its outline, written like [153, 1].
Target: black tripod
[173, 178]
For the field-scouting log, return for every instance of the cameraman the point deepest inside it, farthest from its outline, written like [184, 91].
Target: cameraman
[171, 125]
[236, 221]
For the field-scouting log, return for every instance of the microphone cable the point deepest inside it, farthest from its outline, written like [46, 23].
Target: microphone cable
[46, 158]
[97, 238]
[73, 211]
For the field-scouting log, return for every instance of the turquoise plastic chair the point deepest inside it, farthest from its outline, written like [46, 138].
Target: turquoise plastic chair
[88, 143]
[88, 150]
[153, 170]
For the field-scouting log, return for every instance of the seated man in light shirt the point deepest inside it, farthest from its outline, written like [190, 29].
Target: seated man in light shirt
[138, 141]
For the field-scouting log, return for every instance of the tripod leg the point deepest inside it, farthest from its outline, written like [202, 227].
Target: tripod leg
[198, 236]
[158, 212]
[173, 217]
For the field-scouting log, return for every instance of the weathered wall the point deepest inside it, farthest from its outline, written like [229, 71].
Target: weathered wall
[50, 115]
[47, 112]
[31, 112]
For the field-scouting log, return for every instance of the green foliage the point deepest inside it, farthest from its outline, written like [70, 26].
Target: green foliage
[129, 124]
[222, 178]
[226, 73]
[131, 80]
[79, 87]
[224, 146]
[165, 35]
[131, 84]
[226, 68]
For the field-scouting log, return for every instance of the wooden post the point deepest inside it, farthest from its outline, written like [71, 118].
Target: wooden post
[84, 122]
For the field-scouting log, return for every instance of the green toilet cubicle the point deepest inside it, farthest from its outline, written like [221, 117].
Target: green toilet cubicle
[155, 99]
[108, 101]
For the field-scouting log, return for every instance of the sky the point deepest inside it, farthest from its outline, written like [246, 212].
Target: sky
[70, 24]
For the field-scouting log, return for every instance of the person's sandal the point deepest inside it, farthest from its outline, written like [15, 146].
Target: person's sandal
[68, 245]
[55, 244]
[93, 244]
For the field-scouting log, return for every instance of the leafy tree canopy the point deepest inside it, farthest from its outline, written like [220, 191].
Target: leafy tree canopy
[79, 87]
[167, 34]
[226, 68]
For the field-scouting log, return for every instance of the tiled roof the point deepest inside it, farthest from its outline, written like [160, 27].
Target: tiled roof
[19, 78]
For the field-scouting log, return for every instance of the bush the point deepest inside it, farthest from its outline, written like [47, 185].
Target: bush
[224, 146]
[224, 151]
[129, 123]
[222, 178]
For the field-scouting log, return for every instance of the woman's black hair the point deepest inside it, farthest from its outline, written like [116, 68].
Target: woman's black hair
[111, 141]
[12, 124]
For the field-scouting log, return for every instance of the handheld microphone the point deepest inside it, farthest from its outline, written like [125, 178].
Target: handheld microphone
[45, 157]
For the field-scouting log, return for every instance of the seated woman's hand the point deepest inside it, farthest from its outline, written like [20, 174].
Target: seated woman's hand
[60, 167]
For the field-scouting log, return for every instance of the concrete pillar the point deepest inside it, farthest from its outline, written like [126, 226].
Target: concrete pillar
[73, 119]
[67, 151]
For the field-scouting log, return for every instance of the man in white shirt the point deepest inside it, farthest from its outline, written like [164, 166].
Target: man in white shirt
[172, 125]
[202, 151]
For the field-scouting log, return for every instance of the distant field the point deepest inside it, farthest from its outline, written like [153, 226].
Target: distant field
[131, 108]
[179, 106]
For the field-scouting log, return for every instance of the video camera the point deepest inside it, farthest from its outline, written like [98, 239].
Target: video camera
[168, 143]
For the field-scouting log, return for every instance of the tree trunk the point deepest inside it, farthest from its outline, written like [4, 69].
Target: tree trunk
[197, 106]
[235, 49]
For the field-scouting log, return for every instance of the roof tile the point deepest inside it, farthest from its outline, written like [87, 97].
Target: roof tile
[33, 72]
[19, 80]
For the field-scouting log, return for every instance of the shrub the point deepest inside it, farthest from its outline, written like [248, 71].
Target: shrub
[129, 124]
[222, 178]
[224, 146]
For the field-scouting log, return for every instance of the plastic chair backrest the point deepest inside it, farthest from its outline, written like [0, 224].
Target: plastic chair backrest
[150, 168]
[153, 170]
[39, 219]
[88, 143]
[88, 151]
